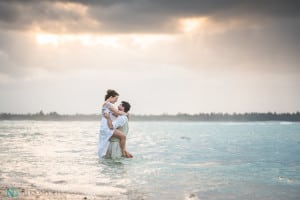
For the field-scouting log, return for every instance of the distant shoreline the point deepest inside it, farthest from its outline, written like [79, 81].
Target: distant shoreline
[222, 117]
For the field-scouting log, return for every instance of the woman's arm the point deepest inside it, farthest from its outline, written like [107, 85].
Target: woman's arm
[116, 112]
[109, 122]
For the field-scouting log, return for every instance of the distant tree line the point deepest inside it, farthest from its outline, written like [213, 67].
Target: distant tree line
[52, 116]
[240, 117]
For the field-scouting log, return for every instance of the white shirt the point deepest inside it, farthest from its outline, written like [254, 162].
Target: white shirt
[120, 121]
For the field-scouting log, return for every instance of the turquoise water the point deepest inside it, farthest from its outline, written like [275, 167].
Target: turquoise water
[172, 160]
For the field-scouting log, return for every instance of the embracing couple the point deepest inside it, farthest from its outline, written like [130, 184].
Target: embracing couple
[113, 128]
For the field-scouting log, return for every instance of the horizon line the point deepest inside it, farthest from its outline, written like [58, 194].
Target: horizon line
[161, 114]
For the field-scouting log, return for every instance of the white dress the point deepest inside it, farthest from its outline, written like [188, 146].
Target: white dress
[105, 132]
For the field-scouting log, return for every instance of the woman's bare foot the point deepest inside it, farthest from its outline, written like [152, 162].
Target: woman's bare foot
[129, 155]
[126, 154]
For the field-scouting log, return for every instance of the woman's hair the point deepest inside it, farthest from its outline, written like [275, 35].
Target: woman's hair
[111, 93]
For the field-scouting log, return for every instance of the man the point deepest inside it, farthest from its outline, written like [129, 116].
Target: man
[121, 123]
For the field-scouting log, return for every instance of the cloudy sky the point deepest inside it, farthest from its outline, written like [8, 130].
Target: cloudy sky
[163, 56]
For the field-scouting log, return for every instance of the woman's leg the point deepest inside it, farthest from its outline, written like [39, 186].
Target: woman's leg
[120, 135]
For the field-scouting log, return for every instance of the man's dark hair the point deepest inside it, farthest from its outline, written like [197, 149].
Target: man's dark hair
[126, 106]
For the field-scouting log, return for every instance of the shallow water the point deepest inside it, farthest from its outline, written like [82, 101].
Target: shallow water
[172, 160]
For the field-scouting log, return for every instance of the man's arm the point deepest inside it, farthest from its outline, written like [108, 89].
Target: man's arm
[109, 121]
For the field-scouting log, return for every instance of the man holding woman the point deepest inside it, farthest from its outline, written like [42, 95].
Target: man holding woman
[112, 119]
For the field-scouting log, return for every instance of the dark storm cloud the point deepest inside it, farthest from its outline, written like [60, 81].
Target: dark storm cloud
[275, 45]
[137, 15]
[22, 15]
[200, 7]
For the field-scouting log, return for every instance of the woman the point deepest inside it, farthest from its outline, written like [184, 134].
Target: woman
[106, 133]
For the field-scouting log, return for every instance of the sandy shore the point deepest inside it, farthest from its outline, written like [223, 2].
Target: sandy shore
[26, 194]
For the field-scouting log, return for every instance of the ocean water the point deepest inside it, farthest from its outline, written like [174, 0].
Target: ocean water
[172, 160]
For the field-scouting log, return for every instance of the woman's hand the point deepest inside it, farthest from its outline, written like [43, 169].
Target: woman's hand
[106, 115]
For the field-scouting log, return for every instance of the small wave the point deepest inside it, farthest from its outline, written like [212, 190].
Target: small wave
[185, 138]
[204, 164]
[191, 196]
[60, 182]
[7, 135]
[286, 123]
[285, 180]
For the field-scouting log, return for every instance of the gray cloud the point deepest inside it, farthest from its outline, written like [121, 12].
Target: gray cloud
[274, 45]
[135, 15]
